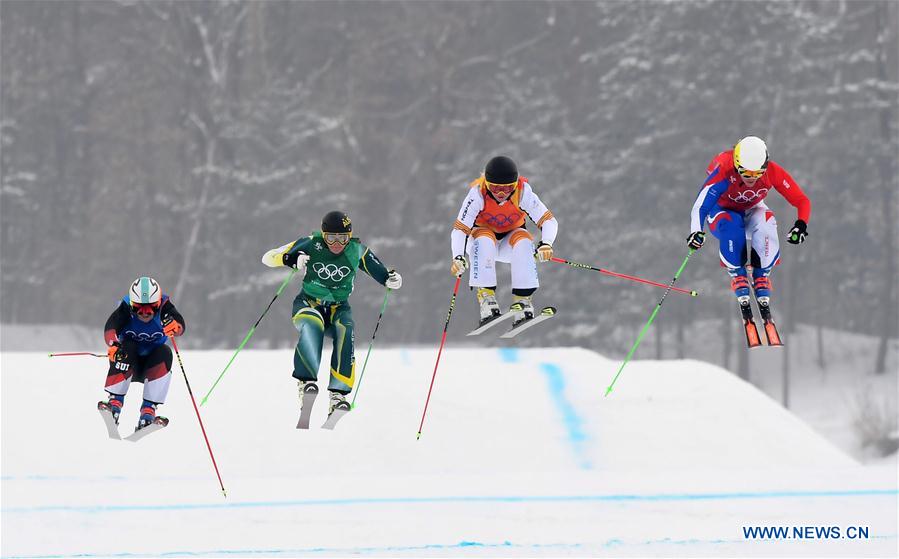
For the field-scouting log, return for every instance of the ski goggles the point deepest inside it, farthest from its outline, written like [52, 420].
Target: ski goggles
[501, 190]
[747, 174]
[144, 308]
[335, 238]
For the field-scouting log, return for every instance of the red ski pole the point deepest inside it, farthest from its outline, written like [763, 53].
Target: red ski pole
[76, 353]
[203, 429]
[624, 276]
[439, 351]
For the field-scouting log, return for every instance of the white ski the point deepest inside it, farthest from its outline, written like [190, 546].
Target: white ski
[306, 409]
[158, 423]
[111, 428]
[333, 418]
[545, 314]
[490, 324]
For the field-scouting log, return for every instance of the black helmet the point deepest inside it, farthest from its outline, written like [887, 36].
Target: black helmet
[501, 170]
[336, 222]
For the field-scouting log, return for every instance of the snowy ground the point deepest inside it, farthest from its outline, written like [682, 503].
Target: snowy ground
[520, 456]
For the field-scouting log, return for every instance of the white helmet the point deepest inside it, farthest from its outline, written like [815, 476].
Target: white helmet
[145, 291]
[751, 156]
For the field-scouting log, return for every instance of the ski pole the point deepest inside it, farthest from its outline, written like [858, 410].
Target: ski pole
[449, 314]
[76, 353]
[651, 318]
[248, 336]
[203, 429]
[370, 344]
[624, 276]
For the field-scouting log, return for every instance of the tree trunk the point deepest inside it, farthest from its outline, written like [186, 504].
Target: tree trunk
[888, 185]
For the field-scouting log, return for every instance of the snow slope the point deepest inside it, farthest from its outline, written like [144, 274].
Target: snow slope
[520, 455]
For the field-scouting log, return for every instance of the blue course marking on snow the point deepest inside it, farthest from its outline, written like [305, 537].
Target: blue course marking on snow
[313, 550]
[463, 499]
[585, 547]
[508, 354]
[573, 422]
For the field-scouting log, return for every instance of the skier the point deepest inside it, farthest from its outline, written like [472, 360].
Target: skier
[330, 258]
[136, 334]
[491, 228]
[731, 200]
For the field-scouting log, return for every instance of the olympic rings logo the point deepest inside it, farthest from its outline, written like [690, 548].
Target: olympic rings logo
[143, 336]
[501, 220]
[748, 195]
[330, 271]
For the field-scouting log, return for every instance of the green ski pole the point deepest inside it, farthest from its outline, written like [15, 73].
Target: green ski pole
[370, 344]
[649, 322]
[249, 335]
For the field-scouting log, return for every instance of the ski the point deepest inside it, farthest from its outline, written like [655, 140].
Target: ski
[545, 314]
[112, 428]
[158, 423]
[306, 407]
[771, 333]
[334, 417]
[749, 327]
[491, 322]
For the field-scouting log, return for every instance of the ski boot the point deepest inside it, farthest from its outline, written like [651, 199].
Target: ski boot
[339, 408]
[489, 308]
[113, 406]
[308, 391]
[148, 416]
[523, 309]
[740, 285]
[338, 402]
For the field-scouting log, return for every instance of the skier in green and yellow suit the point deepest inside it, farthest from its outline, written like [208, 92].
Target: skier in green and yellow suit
[330, 258]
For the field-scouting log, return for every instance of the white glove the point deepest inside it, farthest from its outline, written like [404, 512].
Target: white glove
[544, 252]
[459, 266]
[394, 280]
[300, 264]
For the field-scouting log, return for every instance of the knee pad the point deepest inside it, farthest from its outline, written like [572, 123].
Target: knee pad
[308, 315]
[480, 232]
[520, 235]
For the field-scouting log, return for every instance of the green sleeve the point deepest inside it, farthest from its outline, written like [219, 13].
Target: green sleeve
[372, 265]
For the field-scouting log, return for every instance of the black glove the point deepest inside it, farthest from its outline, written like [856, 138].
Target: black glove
[695, 240]
[116, 353]
[798, 233]
[296, 261]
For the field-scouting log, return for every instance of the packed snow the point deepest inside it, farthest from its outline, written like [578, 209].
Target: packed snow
[520, 454]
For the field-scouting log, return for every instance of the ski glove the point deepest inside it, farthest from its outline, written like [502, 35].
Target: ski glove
[116, 353]
[798, 233]
[459, 265]
[171, 327]
[695, 240]
[297, 261]
[394, 280]
[544, 252]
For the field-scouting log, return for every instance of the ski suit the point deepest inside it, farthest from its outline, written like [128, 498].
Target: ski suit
[496, 232]
[735, 211]
[144, 356]
[322, 306]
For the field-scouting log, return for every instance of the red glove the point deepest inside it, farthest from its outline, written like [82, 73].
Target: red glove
[172, 327]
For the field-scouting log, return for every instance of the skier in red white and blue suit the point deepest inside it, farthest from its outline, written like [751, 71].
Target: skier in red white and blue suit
[136, 334]
[731, 201]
